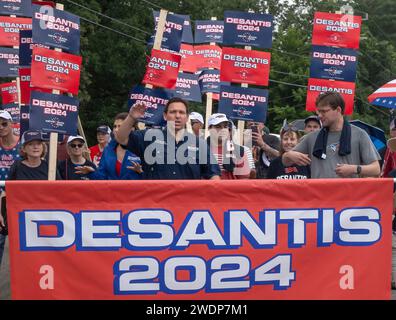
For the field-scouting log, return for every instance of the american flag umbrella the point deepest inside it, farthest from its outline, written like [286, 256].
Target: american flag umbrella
[385, 96]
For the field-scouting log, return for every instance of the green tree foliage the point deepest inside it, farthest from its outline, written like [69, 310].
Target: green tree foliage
[114, 63]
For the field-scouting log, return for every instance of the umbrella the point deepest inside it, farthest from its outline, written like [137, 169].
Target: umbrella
[385, 96]
[376, 135]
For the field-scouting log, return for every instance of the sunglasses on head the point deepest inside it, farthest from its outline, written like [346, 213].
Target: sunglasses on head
[80, 145]
[289, 127]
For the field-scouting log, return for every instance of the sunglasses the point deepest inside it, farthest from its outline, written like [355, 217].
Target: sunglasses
[289, 127]
[80, 145]
[4, 124]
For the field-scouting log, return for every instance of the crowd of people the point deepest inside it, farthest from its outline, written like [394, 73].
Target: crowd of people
[329, 147]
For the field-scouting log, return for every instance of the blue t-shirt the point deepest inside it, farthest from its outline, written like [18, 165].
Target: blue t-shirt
[8, 155]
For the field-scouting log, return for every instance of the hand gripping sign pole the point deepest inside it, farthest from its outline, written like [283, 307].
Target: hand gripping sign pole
[209, 99]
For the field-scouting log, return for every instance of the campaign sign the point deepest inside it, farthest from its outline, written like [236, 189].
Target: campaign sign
[208, 57]
[45, 3]
[26, 46]
[25, 86]
[9, 93]
[24, 119]
[209, 81]
[248, 29]
[247, 104]
[173, 31]
[187, 87]
[340, 30]
[56, 28]
[53, 113]
[9, 62]
[330, 239]
[187, 36]
[56, 70]
[155, 101]
[333, 63]
[207, 31]
[163, 69]
[245, 66]
[14, 110]
[188, 59]
[21, 8]
[316, 86]
[9, 30]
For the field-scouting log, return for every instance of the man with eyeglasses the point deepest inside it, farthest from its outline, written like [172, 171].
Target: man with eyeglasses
[70, 169]
[9, 153]
[338, 150]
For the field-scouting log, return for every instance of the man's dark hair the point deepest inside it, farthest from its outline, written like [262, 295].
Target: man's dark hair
[332, 99]
[121, 116]
[173, 100]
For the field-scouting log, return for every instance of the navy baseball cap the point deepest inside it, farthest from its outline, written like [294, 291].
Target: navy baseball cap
[313, 118]
[103, 129]
[31, 135]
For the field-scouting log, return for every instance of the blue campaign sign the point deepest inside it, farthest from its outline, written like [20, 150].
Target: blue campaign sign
[209, 81]
[9, 62]
[207, 31]
[20, 8]
[248, 29]
[333, 63]
[25, 110]
[56, 28]
[53, 113]
[247, 104]
[26, 46]
[187, 87]
[173, 32]
[187, 36]
[155, 101]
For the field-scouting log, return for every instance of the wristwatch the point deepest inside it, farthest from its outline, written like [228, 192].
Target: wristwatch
[358, 169]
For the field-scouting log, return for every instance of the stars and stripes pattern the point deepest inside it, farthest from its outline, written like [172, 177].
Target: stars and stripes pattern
[384, 96]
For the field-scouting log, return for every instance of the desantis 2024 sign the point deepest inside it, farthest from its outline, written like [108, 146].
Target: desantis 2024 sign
[333, 243]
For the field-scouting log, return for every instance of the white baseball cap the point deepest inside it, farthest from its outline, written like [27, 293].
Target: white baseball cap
[196, 116]
[5, 115]
[217, 118]
[72, 138]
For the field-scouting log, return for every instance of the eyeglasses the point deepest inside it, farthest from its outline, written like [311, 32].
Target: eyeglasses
[80, 145]
[4, 124]
[324, 111]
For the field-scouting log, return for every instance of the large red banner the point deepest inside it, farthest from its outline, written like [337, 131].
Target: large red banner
[9, 30]
[162, 69]
[248, 240]
[340, 30]
[245, 66]
[317, 86]
[55, 70]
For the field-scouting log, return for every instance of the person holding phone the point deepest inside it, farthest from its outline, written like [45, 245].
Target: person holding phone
[265, 148]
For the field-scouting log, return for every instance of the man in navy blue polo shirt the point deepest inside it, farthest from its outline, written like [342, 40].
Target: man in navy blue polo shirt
[171, 153]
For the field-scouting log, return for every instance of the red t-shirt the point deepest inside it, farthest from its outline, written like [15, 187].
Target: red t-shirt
[96, 154]
[118, 167]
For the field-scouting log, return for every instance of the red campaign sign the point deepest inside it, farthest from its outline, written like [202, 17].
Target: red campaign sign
[45, 3]
[163, 69]
[340, 30]
[26, 88]
[9, 93]
[208, 57]
[188, 60]
[244, 242]
[9, 30]
[56, 70]
[245, 66]
[316, 86]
